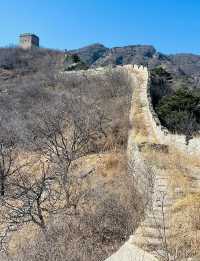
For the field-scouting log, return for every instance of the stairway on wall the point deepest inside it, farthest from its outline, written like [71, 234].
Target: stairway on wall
[152, 234]
[155, 233]
[152, 240]
[137, 248]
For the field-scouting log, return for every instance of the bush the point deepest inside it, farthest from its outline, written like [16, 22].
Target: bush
[92, 236]
[76, 58]
[73, 62]
[161, 82]
[28, 61]
[161, 72]
[180, 112]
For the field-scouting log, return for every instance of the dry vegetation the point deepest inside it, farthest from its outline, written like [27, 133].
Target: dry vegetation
[108, 212]
[65, 192]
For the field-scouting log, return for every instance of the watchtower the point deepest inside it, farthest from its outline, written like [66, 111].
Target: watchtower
[28, 41]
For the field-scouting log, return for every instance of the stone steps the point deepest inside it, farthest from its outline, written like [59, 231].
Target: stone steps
[152, 232]
[155, 227]
[154, 223]
[149, 235]
[146, 243]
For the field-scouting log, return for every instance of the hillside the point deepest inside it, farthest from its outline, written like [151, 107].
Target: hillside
[84, 157]
[57, 124]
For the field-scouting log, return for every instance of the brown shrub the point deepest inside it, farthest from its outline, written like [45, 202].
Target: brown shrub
[92, 236]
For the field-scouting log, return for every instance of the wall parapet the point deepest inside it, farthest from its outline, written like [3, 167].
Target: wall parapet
[163, 135]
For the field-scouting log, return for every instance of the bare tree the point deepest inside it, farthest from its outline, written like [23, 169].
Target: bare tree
[8, 165]
[31, 199]
[61, 141]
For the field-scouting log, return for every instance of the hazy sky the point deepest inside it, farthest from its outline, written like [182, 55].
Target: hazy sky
[170, 25]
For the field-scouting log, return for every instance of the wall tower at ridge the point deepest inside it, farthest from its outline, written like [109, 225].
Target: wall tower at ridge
[28, 41]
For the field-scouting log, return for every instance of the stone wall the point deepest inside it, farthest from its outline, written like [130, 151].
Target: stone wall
[162, 134]
[137, 77]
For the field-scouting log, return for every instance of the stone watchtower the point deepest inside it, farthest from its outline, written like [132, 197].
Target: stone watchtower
[28, 41]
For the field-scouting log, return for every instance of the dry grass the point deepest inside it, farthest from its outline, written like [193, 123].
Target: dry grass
[114, 223]
[185, 224]
[185, 212]
[111, 164]
[141, 131]
[20, 238]
[190, 200]
[140, 128]
[172, 160]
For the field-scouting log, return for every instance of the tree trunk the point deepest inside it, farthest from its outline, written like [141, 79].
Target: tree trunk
[2, 181]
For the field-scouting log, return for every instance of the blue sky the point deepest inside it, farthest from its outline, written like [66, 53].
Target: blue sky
[170, 25]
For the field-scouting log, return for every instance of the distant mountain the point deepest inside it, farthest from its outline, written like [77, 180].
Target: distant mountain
[139, 54]
[181, 65]
[90, 54]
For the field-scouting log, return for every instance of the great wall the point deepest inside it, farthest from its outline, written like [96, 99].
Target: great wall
[151, 241]
[149, 142]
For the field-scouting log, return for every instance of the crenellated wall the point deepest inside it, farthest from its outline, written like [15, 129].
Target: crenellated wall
[137, 77]
[163, 135]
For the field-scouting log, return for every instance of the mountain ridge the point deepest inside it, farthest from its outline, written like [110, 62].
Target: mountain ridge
[180, 64]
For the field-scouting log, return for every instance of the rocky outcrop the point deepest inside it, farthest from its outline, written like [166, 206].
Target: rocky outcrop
[133, 54]
[90, 54]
